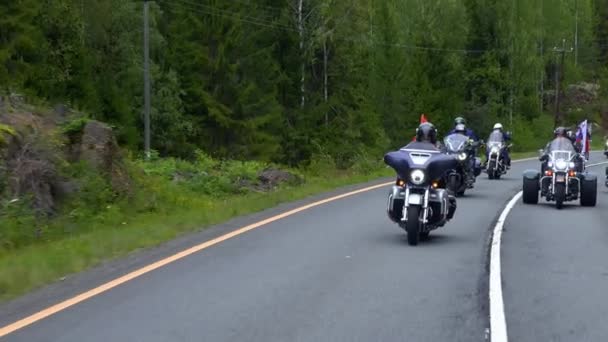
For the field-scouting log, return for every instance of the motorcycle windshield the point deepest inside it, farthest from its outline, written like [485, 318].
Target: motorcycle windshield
[495, 139]
[455, 143]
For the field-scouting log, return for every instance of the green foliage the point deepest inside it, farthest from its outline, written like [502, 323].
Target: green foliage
[205, 175]
[5, 130]
[240, 81]
[74, 127]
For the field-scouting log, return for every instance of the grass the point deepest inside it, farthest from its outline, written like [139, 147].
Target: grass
[95, 227]
[113, 234]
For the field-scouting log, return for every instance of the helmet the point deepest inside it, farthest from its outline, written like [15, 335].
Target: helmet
[460, 128]
[570, 133]
[559, 132]
[426, 132]
[498, 125]
[460, 120]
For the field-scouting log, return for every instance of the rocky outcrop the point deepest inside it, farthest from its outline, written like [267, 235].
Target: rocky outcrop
[96, 145]
[31, 156]
[271, 178]
[29, 161]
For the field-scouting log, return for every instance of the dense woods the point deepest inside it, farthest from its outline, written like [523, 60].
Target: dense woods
[289, 80]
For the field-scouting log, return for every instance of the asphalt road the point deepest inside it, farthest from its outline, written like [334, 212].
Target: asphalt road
[344, 272]
[555, 270]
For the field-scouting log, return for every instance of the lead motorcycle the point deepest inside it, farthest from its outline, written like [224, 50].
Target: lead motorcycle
[495, 164]
[559, 180]
[463, 176]
[419, 201]
[606, 148]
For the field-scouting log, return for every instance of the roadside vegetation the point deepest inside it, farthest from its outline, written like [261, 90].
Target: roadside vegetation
[253, 103]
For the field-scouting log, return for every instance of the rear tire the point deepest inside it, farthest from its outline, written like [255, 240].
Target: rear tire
[530, 195]
[588, 193]
[412, 226]
[560, 195]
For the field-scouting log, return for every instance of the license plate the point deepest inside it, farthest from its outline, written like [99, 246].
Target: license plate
[415, 199]
[560, 178]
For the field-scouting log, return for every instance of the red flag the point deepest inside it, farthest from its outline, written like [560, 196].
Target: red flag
[423, 118]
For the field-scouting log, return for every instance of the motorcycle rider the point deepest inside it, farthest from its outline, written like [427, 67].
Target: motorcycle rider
[426, 138]
[505, 151]
[469, 132]
[561, 133]
[470, 170]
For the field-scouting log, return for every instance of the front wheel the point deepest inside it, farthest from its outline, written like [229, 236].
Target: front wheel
[492, 170]
[412, 226]
[560, 195]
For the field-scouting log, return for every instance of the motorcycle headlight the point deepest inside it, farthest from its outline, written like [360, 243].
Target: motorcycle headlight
[462, 156]
[606, 143]
[417, 177]
[561, 164]
[550, 164]
[571, 165]
[495, 150]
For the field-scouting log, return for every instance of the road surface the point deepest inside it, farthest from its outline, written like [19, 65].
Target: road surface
[555, 270]
[343, 272]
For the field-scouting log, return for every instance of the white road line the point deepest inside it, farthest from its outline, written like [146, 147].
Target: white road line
[498, 324]
[597, 164]
[523, 160]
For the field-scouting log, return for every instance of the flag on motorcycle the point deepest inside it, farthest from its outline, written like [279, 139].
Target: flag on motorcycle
[583, 138]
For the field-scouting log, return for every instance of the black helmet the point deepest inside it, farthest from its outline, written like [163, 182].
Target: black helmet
[426, 132]
[559, 132]
[460, 120]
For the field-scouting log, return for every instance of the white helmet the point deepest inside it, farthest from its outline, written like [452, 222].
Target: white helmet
[498, 125]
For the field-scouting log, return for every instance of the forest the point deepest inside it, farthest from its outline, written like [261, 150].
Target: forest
[288, 80]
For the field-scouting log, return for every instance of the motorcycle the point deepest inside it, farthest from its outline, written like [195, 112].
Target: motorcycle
[560, 182]
[606, 148]
[495, 146]
[463, 176]
[419, 201]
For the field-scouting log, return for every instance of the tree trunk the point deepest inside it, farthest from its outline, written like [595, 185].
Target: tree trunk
[325, 92]
[303, 66]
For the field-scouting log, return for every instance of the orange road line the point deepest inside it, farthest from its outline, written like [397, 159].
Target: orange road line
[151, 267]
